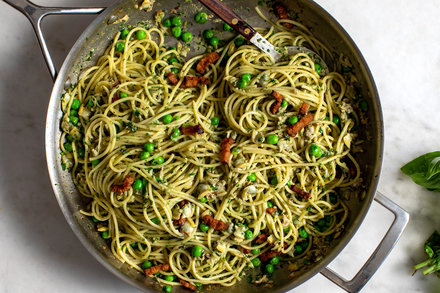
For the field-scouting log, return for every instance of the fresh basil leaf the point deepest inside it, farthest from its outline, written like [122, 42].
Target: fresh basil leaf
[425, 170]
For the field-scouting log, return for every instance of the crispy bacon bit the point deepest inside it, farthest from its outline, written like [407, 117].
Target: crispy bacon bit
[187, 285]
[207, 60]
[296, 128]
[115, 84]
[173, 78]
[215, 224]
[158, 268]
[304, 108]
[281, 12]
[193, 81]
[225, 154]
[182, 203]
[269, 254]
[261, 238]
[115, 98]
[279, 99]
[128, 181]
[245, 250]
[271, 211]
[192, 130]
[304, 194]
[180, 222]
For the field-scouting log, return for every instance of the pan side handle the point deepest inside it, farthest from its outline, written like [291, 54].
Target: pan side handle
[36, 13]
[401, 218]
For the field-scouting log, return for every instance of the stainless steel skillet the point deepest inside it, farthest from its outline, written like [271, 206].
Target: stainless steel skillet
[96, 38]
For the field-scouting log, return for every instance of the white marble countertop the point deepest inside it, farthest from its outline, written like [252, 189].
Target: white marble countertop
[38, 251]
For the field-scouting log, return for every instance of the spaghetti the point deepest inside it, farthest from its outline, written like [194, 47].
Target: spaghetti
[165, 198]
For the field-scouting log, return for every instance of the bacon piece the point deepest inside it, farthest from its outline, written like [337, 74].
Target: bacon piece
[304, 194]
[115, 84]
[296, 128]
[281, 12]
[193, 81]
[192, 130]
[172, 78]
[304, 108]
[207, 60]
[180, 222]
[271, 211]
[269, 254]
[182, 203]
[115, 98]
[215, 224]
[187, 285]
[128, 181]
[261, 238]
[245, 250]
[225, 154]
[158, 268]
[279, 99]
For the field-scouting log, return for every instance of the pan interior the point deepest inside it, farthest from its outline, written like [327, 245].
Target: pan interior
[92, 44]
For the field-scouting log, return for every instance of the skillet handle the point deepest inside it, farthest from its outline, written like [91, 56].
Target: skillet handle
[36, 13]
[401, 218]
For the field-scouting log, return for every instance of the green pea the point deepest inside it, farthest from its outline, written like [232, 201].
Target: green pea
[140, 34]
[242, 84]
[201, 17]
[174, 70]
[75, 104]
[292, 120]
[252, 177]
[364, 105]
[208, 34]
[239, 41]
[158, 160]
[255, 251]
[73, 113]
[144, 155]
[272, 139]
[173, 60]
[227, 27]
[256, 262]
[204, 227]
[213, 41]
[298, 249]
[274, 181]
[248, 234]
[146, 265]
[176, 133]
[303, 233]
[177, 31]
[91, 104]
[123, 95]
[176, 21]
[176, 117]
[269, 204]
[105, 235]
[120, 47]
[124, 33]
[166, 22]
[95, 220]
[68, 147]
[167, 289]
[187, 37]
[318, 68]
[215, 121]
[286, 230]
[138, 184]
[246, 77]
[315, 151]
[95, 162]
[167, 119]
[284, 104]
[336, 119]
[155, 220]
[74, 120]
[169, 278]
[134, 244]
[149, 147]
[269, 268]
[235, 151]
[275, 260]
[203, 199]
[197, 251]
[304, 244]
